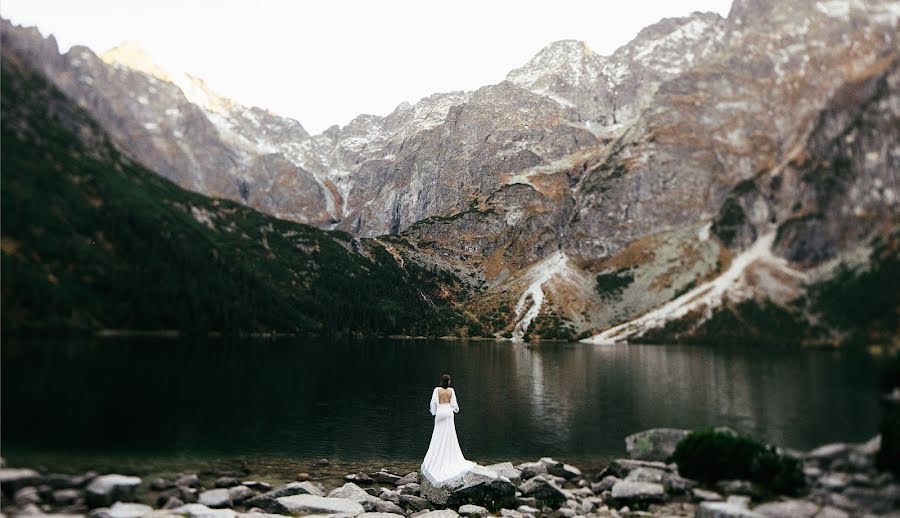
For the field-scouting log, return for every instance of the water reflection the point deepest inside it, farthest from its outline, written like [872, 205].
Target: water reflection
[353, 400]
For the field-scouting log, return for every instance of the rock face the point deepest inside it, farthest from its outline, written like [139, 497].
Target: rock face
[708, 171]
[479, 486]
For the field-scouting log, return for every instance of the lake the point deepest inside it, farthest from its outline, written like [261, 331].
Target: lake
[131, 403]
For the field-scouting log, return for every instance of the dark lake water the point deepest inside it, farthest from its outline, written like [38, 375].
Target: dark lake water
[367, 401]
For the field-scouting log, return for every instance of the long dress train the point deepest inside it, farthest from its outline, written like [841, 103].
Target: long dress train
[444, 460]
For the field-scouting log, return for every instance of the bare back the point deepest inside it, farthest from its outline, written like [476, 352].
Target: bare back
[444, 395]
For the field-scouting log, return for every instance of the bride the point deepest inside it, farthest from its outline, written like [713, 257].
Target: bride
[444, 460]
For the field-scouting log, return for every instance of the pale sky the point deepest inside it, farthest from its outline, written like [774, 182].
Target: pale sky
[325, 62]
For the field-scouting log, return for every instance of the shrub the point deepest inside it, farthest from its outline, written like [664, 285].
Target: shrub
[709, 456]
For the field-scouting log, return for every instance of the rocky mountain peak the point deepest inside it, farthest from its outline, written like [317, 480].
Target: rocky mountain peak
[131, 55]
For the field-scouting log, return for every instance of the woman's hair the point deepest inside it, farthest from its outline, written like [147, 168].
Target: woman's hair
[445, 381]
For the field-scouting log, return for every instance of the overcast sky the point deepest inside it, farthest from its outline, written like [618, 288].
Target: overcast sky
[325, 62]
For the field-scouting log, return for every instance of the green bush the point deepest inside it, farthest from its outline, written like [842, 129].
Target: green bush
[709, 456]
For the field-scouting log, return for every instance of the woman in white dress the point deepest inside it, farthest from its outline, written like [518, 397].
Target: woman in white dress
[444, 460]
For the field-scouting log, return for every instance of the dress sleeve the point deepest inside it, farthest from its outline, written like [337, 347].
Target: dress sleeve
[453, 403]
[434, 402]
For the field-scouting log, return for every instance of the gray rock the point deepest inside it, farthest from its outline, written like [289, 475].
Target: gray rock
[296, 488]
[677, 484]
[832, 512]
[559, 469]
[31, 510]
[409, 478]
[703, 495]
[526, 500]
[544, 491]
[724, 510]
[26, 495]
[834, 481]
[510, 513]
[871, 447]
[106, 489]
[477, 486]
[566, 512]
[471, 511]
[829, 452]
[311, 504]
[657, 444]
[626, 491]
[788, 509]
[410, 489]
[240, 493]
[355, 493]
[60, 481]
[643, 474]
[215, 498]
[384, 477]
[506, 469]
[386, 506]
[527, 509]
[321, 463]
[416, 502]
[389, 495]
[418, 513]
[65, 496]
[257, 486]
[622, 467]
[443, 513]
[382, 515]
[122, 510]
[13, 479]
[604, 485]
[532, 469]
[202, 511]
[185, 494]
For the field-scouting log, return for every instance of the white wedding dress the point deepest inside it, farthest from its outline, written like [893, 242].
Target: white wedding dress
[444, 460]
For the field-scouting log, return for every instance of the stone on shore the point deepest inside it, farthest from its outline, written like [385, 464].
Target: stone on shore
[26, 495]
[226, 482]
[202, 511]
[506, 469]
[416, 502]
[106, 489]
[386, 506]
[13, 479]
[65, 496]
[215, 498]
[532, 469]
[257, 486]
[384, 477]
[543, 491]
[268, 501]
[311, 504]
[443, 513]
[627, 491]
[190, 480]
[409, 478]
[788, 509]
[381, 515]
[559, 469]
[622, 467]
[738, 487]
[122, 510]
[657, 444]
[472, 511]
[703, 495]
[351, 491]
[724, 510]
[479, 486]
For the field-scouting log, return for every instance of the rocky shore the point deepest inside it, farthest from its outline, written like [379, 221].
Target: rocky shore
[841, 480]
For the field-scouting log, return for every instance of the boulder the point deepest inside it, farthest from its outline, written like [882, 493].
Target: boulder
[703, 495]
[362, 478]
[604, 485]
[202, 511]
[643, 474]
[738, 487]
[543, 491]
[384, 477]
[240, 493]
[389, 495]
[65, 496]
[559, 469]
[788, 509]
[215, 498]
[416, 502]
[122, 510]
[835, 481]
[626, 491]
[386, 506]
[311, 504]
[443, 513]
[510, 513]
[257, 486]
[527, 509]
[296, 488]
[172, 503]
[657, 444]
[622, 467]
[382, 515]
[472, 511]
[26, 495]
[724, 510]
[14, 479]
[506, 469]
[479, 486]
[532, 469]
[185, 494]
[829, 452]
[351, 491]
[106, 489]
[409, 478]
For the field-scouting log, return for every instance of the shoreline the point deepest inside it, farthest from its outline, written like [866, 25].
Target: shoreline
[841, 479]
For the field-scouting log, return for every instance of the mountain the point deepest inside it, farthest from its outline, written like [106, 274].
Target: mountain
[91, 240]
[714, 178]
